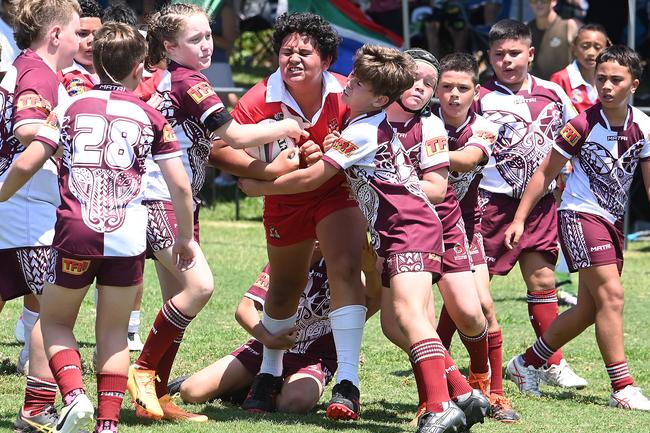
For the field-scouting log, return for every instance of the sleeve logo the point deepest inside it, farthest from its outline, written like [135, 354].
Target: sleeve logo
[74, 267]
[52, 120]
[486, 135]
[344, 147]
[168, 133]
[35, 101]
[199, 92]
[570, 134]
[436, 145]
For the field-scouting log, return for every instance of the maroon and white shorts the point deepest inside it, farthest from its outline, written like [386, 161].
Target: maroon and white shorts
[540, 230]
[477, 250]
[250, 355]
[76, 272]
[162, 228]
[590, 240]
[22, 271]
[411, 261]
[455, 258]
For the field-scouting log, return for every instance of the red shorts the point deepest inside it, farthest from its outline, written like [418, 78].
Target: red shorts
[590, 240]
[75, 272]
[162, 228]
[23, 271]
[250, 355]
[287, 223]
[540, 231]
[477, 250]
[455, 258]
[399, 263]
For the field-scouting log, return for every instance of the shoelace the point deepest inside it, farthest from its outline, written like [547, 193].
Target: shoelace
[149, 383]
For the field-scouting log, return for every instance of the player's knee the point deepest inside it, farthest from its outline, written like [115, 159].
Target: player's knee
[296, 402]
[613, 299]
[192, 395]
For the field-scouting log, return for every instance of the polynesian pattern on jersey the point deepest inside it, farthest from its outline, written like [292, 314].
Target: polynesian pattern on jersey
[574, 239]
[36, 267]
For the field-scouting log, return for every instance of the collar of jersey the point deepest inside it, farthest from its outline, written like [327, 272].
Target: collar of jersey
[575, 77]
[276, 91]
[505, 89]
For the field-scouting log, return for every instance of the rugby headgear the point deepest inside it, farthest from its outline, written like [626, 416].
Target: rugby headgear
[423, 56]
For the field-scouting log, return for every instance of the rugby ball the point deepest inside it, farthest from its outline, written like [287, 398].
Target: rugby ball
[268, 152]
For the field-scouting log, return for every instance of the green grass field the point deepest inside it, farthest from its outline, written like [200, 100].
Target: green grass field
[236, 252]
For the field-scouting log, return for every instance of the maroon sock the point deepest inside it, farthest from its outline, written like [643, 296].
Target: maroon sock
[422, 392]
[165, 366]
[543, 310]
[66, 367]
[429, 357]
[446, 327]
[538, 354]
[477, 347]
[169, 323]
[619, 374]
[495, 353]
[456, 383]
[110, 393]
[39, 393]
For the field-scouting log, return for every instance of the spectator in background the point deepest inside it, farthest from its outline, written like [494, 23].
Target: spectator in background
[388, 14]
[9, 48]
[552, 38]
[614, 19]
[578, 79]
[572, 9]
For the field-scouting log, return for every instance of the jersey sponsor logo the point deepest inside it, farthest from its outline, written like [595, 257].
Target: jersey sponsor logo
[576, 96]
[168, 133]
[74, 267]
[616, 137]
[525, 100]
[332, 125]
[199, 92]
[262, 281]
[273, 233]
[570, 134]
[52, 120]
[35, 101]
[344, 147]
[436, 145]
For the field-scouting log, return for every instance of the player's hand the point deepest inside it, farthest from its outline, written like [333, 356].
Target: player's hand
[310, 152]
[283, 340]
[293, 130]
[155, 100]
[296, 124]
[513, 234]
[286, 162]
[250, 187]
[184, 253]
[330, 139]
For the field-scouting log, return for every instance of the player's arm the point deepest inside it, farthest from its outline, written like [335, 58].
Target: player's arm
[645, 171]
[298, 181]
[241, 136]
[537, 187]
[24, 167]
[248, 318]
[434, 184]
[184, 249]
[241, 164]
[466, 159]
[26, 133]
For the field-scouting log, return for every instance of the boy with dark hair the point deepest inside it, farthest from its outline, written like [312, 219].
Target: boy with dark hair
[120, 12]
[530, 112]
[404, 227]
[471, 138]
[605, 144]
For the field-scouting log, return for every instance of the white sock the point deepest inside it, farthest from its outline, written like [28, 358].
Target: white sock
[347, 327]
[29, 320]
[134, 322]
[272, 359]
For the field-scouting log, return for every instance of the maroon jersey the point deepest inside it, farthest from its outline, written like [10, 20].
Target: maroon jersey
[312, 318]
[29, 91]
[188, 100]
[264, 101]
[106, 134]
[384, 182]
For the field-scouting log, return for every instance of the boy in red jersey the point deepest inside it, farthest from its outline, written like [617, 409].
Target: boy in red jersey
[530, 113]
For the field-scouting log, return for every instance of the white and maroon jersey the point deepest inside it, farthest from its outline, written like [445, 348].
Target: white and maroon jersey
[188, 100]
[604, 159]
[386, 185]
[106, 134]
[29, 92]
[479, 132]
[582, 94]
[264, 101]
[529, 120]
[417, 135]
[312, 317]
[76, 79]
